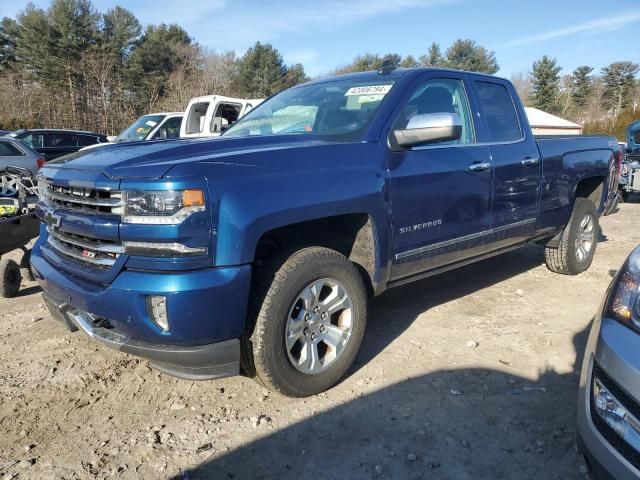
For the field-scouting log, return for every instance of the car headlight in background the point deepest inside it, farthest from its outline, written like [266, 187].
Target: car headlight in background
[161, 207]
[624, 301]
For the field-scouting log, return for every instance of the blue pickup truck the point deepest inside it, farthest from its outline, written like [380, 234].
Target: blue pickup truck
[258, 251]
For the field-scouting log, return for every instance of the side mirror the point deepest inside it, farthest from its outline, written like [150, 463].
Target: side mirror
[429, 128]
[162, 134]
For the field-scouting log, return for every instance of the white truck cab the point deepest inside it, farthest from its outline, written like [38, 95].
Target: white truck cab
[210, 115]
[153, 126]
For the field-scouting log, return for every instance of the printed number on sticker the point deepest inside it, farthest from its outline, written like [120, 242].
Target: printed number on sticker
[368, 90]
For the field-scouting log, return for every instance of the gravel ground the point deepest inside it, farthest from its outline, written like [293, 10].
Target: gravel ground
[471, 374]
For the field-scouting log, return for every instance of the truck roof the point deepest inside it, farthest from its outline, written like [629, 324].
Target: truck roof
[396, 73]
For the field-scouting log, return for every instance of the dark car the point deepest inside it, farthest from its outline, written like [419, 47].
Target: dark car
[53, 143]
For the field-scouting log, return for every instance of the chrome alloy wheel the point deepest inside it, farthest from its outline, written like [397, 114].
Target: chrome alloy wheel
[585, 238]
[8, 185]
[319, 326]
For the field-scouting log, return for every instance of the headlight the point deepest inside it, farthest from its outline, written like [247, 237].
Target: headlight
[164, 250]
[624, 300]
[168, 207]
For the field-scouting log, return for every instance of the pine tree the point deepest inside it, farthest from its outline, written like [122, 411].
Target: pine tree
[262, 71]
[433, 58]
[582, 85]
[546, 84]
[619, 81]
[468, 55]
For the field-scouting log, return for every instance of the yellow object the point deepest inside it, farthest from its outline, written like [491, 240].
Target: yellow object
[6, 210]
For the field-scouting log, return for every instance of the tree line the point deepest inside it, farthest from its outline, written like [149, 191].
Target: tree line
[72, 66]
[607, 102]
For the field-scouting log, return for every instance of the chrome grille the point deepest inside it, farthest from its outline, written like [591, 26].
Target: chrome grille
[96, 253]
[85, 200]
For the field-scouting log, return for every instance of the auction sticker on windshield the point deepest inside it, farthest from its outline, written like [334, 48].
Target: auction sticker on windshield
[368, 90]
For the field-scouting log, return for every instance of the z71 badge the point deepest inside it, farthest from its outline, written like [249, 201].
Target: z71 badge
[421, 226]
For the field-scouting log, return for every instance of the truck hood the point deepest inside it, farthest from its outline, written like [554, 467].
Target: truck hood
[154, 159]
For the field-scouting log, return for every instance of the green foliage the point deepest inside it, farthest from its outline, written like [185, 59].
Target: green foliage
[469, 56]
[262, 71]
[8, 41]
[409, 62]
[120, 32]
[157, 51]
[433, 58]
[616, 127]
[582, 83]
[545, 84]
[619, 80]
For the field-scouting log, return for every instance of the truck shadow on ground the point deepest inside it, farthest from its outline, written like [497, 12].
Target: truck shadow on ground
[395, 310]
[501, 426]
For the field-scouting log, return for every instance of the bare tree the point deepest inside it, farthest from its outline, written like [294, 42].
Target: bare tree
[522, 83]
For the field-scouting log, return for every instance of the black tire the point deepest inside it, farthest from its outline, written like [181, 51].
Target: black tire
[564, 259]
[624, 196]
[10, 278]
[25, 266]
[276, 288]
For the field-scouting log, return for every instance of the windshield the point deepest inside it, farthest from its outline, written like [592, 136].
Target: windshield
[139, 129]
[332, 109]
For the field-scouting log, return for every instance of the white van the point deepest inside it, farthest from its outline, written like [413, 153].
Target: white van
[210, 115]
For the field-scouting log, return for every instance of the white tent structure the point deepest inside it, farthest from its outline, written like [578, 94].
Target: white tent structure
[543, 123]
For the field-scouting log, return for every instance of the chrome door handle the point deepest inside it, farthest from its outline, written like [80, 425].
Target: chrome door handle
[530, 161]
[478, 167]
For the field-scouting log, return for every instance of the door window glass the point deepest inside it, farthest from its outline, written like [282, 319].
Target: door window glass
[86, 140]
[33, 140]
[9, 150]
[499, 112]
[172, 127]
[60, 140]
[440, 95]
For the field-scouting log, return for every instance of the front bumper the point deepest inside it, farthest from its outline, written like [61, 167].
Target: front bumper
[206, 310]
[612, 350]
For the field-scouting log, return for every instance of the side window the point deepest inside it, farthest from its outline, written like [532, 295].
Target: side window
[86, 140]
[226, 115]
[440, 95]
[499, 112]
[60, 140]
[9, 150]
[172, 127]
[33, 140]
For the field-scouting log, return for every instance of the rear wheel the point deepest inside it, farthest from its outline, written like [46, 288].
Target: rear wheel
[578, 241]
[310, 322]
[10, 278]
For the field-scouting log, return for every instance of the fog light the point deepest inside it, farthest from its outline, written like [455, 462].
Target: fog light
[157, 310]
[621, 421]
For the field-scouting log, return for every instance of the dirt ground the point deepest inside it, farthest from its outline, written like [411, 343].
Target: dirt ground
[469, 375]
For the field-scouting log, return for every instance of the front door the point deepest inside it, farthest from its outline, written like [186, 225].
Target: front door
[440, 193]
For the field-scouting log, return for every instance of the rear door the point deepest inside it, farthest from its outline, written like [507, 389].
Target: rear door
[440, 193]
[517, 166]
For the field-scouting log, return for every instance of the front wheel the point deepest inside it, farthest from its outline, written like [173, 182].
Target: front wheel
[578, 241]
[310, 322]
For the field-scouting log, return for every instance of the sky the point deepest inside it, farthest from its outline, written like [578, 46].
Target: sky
[325, 34]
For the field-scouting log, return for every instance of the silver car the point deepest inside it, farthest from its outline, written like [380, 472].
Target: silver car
[15, 153]
[609, 399]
